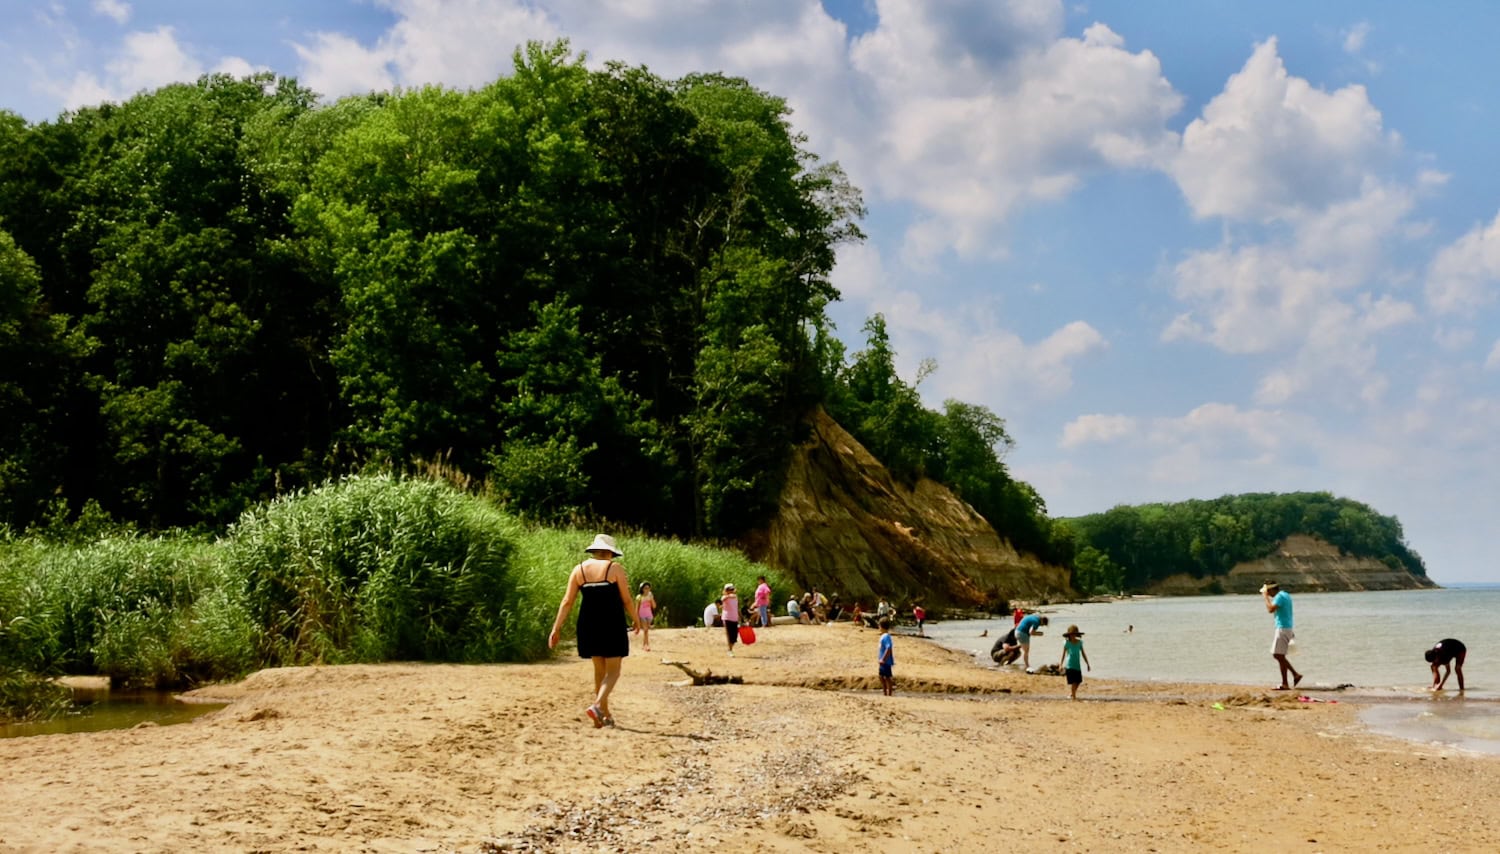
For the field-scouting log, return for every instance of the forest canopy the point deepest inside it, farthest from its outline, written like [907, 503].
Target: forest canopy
[1128, 547]
[599, 292]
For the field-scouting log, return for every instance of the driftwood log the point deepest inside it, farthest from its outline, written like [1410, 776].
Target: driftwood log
[707, 677]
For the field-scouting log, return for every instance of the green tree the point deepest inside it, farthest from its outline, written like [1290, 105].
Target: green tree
[36, 361]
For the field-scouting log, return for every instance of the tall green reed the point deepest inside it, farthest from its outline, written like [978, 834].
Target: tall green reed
[375, 568]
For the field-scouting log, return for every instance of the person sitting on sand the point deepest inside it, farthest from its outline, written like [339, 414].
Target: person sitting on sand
[807, 608]
[819, 606]
[834, 609]
[711, 616]
[1449, 653]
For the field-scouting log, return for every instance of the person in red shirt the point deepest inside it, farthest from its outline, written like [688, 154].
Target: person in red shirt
[1018, 615]
[919, 614]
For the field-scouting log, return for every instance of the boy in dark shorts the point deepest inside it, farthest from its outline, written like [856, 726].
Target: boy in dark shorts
[887, 659]
[1449, 653]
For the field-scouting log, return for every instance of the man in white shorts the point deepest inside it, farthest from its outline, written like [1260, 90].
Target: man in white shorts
[1279, 602]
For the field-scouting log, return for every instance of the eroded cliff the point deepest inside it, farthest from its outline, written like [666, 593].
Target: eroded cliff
[847, 527]
[1301, 564]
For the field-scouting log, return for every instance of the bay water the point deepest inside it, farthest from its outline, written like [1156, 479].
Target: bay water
[1368, 644]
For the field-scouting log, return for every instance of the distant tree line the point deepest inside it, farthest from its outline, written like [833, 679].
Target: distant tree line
[1129, 547]
[601, 292]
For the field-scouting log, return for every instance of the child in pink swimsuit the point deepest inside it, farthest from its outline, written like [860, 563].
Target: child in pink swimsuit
[645, 609]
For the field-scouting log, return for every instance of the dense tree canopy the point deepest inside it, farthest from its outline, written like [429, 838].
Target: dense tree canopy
[596, 289]
[601, 292]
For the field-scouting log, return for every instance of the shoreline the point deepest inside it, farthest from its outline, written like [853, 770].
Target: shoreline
[805, 755]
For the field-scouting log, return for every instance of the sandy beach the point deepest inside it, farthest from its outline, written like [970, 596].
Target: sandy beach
[806, 755]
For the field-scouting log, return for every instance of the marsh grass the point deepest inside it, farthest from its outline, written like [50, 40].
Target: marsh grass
[684, 577]
[376, 568]
[370, 568]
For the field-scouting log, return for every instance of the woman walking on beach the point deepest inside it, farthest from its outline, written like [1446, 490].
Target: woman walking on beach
[645, 611]
[603, 620]
[731, 611]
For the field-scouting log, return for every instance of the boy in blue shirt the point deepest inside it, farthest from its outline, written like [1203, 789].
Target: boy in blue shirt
[887, 658]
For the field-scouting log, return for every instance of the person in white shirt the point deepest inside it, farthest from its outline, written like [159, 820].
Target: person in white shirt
[711, 615]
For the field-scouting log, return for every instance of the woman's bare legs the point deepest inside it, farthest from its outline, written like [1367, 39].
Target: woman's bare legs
[598, 672]
[606, 674]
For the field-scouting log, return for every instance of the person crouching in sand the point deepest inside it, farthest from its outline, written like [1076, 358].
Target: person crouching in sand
[1072, 651]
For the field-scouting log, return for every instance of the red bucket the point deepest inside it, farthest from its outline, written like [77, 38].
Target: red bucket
[747, 635]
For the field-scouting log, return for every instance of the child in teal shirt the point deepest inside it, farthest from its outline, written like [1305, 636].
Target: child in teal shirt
[1072, 651]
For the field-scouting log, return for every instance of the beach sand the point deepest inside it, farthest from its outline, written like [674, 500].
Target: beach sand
[806, 755]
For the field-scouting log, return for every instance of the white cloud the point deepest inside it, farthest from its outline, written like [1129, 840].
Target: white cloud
[1453, 340]
[967, 110]
[1307, 291]
[336, 65]
[1354, 37]
[978, 360]
[236, 66]
[1465, 275]
[118, 10]
[1271, 145]
[461, 42]
[969, 136]
[1096, 428]
[1492, 363]
[146, 60]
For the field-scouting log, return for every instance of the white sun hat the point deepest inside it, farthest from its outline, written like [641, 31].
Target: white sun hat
[604, 543]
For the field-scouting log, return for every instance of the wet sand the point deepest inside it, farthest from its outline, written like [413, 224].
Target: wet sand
[806, 755]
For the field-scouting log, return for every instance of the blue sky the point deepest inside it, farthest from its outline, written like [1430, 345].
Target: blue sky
[1184, 249]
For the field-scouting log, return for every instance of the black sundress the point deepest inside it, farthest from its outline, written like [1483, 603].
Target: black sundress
[602, 630]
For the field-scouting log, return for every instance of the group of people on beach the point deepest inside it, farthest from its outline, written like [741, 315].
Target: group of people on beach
[600, 583]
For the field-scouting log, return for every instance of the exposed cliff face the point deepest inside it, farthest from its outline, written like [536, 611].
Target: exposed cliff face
[1302, 564]
[846, 527]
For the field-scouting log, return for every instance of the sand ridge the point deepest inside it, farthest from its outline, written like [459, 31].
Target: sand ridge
[805, 756]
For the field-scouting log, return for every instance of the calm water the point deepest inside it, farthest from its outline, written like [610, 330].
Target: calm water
[101, 710]
[1372, 641]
